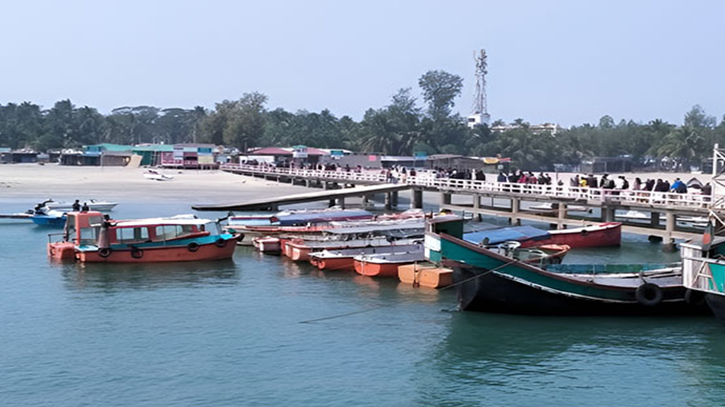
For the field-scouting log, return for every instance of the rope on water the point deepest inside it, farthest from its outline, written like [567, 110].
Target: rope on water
[310, 321]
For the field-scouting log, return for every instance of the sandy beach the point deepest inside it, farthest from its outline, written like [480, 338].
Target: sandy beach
[34, 183]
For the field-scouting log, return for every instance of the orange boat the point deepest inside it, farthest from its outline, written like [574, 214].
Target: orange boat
[386, 265]
[91, 237]
[344, 259]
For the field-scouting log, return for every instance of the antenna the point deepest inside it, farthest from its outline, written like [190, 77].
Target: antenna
[480, 103]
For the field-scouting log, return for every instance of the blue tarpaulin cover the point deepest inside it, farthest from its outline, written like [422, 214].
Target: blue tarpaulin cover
[496, 236]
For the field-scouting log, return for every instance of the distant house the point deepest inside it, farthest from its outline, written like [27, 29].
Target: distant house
[23, 156]
[5, 155]
[599, 165]
[190, 156]
[289, 154]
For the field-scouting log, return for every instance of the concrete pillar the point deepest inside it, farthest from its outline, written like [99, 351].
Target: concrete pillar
[654, 219]
[307, 183]
[365, 201]
[445, 198]
[669, 224]
[417, 201]
[325, 185]
[388, 201]
[476, 201]
[394, 199]
[607, 214]
[341, 202]
[331, 203]
[515, 208]
[561, 216]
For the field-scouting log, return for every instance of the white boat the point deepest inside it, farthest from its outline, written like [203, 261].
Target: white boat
[633, 215]
[157, 176]
[93, 205]
[553, 207]
[21, 217]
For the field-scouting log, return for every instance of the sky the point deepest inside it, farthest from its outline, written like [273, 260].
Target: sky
[566, 62]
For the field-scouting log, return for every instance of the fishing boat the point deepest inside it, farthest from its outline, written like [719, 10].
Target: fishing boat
[93, 205]
[600, 235]
[372, 235]
[493, 282]
[91, 237]
[344, 259]
[703, 266]
[386, 265]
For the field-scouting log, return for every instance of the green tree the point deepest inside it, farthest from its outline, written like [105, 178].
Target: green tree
[440, 89]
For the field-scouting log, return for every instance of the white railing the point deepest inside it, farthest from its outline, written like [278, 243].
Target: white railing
[425, 180]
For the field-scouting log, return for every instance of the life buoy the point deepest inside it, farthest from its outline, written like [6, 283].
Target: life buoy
[136, 253]
[220, 242]
[104, 252]
[649, 294]
[193, 246]
[694, 297]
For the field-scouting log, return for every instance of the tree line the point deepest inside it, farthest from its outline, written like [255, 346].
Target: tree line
[400, 128]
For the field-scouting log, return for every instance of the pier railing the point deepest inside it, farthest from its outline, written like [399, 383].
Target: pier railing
[431, 181]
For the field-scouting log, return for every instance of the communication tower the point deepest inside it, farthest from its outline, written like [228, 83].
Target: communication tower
[480, 106]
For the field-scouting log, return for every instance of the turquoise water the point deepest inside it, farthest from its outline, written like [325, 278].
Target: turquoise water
[263, 331]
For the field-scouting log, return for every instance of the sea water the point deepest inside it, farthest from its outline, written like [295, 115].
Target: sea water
[261, 330]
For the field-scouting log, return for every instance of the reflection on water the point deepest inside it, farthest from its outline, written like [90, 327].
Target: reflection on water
[554, 360]
[122, 276]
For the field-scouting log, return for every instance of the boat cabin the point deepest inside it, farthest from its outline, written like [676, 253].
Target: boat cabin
[93, 229]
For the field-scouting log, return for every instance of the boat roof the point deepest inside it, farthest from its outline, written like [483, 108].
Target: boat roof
[375, 228]
[321, 216]
[174, 220]
[504, 234]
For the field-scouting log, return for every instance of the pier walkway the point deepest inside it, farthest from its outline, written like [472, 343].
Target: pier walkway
[672, 206]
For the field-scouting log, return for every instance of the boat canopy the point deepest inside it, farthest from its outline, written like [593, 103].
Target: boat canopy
[325, 216]
[496, 236]
[376, 228]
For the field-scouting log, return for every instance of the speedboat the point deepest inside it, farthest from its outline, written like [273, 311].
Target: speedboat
[93, 205]
[51, 218]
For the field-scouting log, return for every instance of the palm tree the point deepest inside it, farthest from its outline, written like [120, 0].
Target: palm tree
[682, 144]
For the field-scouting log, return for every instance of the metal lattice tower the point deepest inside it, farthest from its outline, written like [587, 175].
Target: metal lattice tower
[480, 104]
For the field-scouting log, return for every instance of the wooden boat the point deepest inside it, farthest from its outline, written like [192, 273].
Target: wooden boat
[373, 235]
[91, 237]
[492, 282]
[600, 235]
[703, 268]
[344, 259]
[268, 244]
[386, 265]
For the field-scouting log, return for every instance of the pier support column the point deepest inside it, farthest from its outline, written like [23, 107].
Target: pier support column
[654, 219]
[561, 216]
[515, 207]
[341, 202]
[417, 202]
[325, 185]
[365, 201]
[477, 205]
[607, 214]
[331, 203]
[388, 201]
[307, 183]
[445, 198]
[669, 225]
[394, 199]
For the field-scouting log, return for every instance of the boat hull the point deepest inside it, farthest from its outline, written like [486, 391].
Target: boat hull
[716, 302]
[608, 235]
[210, 251]
[330, 264]
[371, 269]
[483, 291]
[49, 221]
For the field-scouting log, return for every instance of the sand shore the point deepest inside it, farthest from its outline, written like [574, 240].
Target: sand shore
[35, 183]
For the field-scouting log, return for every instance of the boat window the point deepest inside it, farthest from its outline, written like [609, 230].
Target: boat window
[168, 232]
[89, 236]
[125, 235]
[212, 228]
